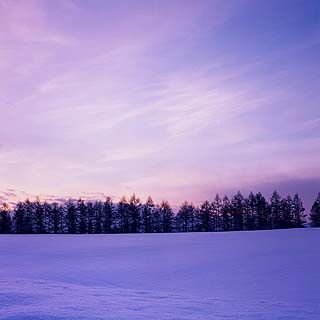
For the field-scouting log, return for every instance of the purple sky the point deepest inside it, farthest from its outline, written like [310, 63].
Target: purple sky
[177, 99]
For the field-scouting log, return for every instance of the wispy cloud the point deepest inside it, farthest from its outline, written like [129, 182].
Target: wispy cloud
[155, 98]
[12, 197]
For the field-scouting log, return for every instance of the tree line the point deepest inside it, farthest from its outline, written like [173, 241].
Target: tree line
[132, 216]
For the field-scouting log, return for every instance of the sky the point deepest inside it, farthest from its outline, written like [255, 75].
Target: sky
[176, 99]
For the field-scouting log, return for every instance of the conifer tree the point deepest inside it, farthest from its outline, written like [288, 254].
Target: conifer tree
[148, 215]
[56, 219]
[167, 216]
[250, 212]
[108, 216]
[156, 219]
[29, 221]
[216, 214]
[185, 219]
[134, 210]
[91, 217]
[98, 213]
[261, 210]
[286, 212]
[237, 211]
[47, 208]
[225, 214]
[83, 216]
[123, 216]
[19, 218]
[299, 217]
[315, 212]
[71, 217]
[5, 219]
[206, 216]
[39, 217]
[275, 208]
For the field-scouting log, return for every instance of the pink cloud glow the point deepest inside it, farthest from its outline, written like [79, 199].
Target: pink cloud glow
[165, 98]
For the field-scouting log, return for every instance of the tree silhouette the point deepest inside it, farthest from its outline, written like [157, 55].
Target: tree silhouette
[5, 219]
[315, 212]
[239, 213]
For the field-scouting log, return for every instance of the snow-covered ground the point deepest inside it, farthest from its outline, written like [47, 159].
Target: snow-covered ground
[235, 275]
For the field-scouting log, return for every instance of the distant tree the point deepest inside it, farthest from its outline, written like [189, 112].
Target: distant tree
[91, 217]
[185, 219]
[167, 216]
[261, 211]
[181, 219]
[47, 208]
[71, 217]
[275, 208]
[286, 212]
[30, 219]
[63, 222]
[157, 223]
[237, 211]
[83, 216]
[98, 209]
[148, 211]
[123, 216]
[55, 219]
[315, 212]
[19, 218]
[134, 210]
[198, 221]
[205, 214]
[299, 217]
[216, 207]
[225, 214]
[250, 213]
[39, 217]
[108, 216]
[5, 219]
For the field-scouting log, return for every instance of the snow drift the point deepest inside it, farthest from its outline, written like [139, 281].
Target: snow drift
[235, 275]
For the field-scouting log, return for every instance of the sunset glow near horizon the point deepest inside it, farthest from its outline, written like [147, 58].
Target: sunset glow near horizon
[176, 99]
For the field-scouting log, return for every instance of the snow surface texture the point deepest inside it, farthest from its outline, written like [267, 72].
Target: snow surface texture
[235, 275]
